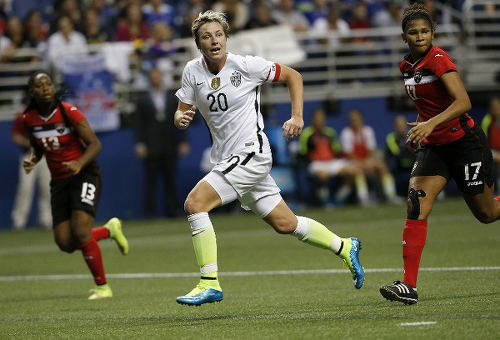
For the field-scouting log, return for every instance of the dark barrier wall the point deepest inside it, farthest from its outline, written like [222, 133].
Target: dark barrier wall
[122, 172]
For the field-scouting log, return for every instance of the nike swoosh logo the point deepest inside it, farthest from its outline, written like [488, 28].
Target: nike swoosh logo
[199, 83]
[439, 55]
[198, 233]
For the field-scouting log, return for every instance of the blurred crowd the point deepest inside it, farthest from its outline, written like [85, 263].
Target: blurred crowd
[351, 167]
[52, 26]
[335, 169]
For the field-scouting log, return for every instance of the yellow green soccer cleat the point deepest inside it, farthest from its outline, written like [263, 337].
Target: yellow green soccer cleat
[114, 226]
[350, 256]
[201, 294]
[100, 292]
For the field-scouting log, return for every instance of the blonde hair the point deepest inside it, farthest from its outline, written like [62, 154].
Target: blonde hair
[209, 16]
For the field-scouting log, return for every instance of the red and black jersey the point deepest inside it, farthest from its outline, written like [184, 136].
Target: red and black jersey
[18, 125]
[56, 136]
[18, 129]
[424, 87]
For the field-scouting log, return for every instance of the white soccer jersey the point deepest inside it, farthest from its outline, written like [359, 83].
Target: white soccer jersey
[366, 136]
[230, 102]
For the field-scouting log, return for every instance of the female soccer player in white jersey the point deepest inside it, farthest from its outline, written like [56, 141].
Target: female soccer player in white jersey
[225, 89]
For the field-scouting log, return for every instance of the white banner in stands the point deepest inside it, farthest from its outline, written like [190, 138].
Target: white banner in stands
[274, 43]
[91, 90]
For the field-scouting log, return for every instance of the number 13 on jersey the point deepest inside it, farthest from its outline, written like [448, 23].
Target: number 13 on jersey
[412, 92]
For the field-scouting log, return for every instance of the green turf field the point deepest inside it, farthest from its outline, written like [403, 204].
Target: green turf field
[267, 292]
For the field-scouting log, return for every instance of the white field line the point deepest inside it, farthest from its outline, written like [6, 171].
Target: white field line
[418, 323]
[13, 278]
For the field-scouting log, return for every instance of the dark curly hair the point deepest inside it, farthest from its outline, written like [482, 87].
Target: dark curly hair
[417, 11]
[31, 83]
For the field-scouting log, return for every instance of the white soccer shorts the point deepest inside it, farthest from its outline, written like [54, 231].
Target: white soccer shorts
[332, 167]
[245, 176]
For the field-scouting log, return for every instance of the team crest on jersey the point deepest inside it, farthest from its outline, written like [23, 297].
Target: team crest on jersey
[59, 128]
[215, 83]
[236, 78]
[417, 76]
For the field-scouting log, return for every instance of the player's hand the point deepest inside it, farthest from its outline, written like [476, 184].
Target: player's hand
[73, 166]
[292, 127]
[183, 149]
[419, 132]
[186, 118]
[29, 164]
[412, 147]
[141, 150]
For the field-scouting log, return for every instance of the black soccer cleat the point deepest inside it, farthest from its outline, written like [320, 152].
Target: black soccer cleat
[400, 291]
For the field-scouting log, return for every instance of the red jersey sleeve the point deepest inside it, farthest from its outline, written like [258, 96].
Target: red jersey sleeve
[401, 66]
[18, 125]
[74, 114]
[442, 63]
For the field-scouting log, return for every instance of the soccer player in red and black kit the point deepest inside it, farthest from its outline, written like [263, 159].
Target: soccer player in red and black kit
[60, 131]
[448, 143]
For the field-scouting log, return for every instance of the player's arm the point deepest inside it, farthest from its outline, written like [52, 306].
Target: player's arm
[293, 127]
[21, 140]
[35, 155]
[184, 115]
[93, 147]
[460, 105]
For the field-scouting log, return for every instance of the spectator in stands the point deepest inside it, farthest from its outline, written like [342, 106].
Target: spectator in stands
[359, 19]
[158, 11]
[236, 11]
[16, 41]
[261, 16]
[35, 30]
[159, 144]
[159, 43]
[107, 15]
[491, 127]
[5, 47]
[15, 32]
[132, 26]
[390, 16]
[359, 143]
[330, 29]
[158, 49]
[65, 42]
[321, 148]
[287, 14]
[70, 9]
[94, 33]
[319, 10]
[187, 12]
[399, 159]
[26, 184]
[440, 14]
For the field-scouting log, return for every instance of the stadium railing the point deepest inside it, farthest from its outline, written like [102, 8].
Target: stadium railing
[363, 63]
[482, 43]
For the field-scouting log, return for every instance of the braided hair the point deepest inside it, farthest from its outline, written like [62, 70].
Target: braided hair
[417, 11]
[32, 104]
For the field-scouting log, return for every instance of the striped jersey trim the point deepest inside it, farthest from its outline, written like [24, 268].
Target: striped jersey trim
[424, 80]
[52, 133]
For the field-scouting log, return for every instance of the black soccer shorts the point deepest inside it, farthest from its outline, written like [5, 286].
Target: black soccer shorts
[468, 161]
[80, 192]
